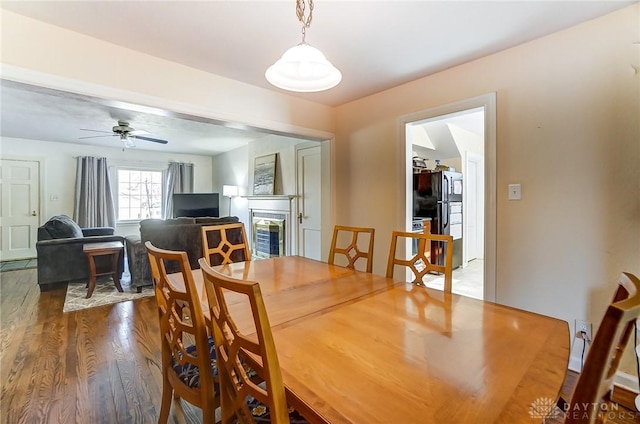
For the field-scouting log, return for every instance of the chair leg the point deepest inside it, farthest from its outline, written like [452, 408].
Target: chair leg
[208, 413]
[165, 407]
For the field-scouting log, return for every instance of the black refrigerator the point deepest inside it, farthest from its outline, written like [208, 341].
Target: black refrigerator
[438, 195]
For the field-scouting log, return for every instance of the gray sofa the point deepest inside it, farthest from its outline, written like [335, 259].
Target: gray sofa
[182, 234]
[60, 255]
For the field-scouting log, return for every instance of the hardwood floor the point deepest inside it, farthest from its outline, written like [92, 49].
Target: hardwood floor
[97, 365]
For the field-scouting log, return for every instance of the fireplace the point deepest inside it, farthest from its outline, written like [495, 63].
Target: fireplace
[268, 234]
[271, 229]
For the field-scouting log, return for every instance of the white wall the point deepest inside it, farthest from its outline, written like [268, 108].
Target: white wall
[284, 147]
[59, 170]
[567, 130]
[232, 168]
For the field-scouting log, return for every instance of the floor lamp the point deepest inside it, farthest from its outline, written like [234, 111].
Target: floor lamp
[229, 191]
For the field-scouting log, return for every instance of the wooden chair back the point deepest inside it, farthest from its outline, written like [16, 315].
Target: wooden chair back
[352, 251]
[420, 264]
[234, 350]
[225, 244]
[616, 328]
[178, 332]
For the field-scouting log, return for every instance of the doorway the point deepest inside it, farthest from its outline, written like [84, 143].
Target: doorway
[460, 136]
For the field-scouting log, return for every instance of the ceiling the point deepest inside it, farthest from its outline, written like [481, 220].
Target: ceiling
[376, 45]
[438, 142]
[37, 113]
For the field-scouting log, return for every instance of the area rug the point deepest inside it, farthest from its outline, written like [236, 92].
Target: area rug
[105, 293]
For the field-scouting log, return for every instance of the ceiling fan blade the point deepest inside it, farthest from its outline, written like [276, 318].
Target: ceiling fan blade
[85, 129]
[155, 140]
[96, 136]
[138, 132]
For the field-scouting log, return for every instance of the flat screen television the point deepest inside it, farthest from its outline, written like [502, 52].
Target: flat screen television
[196, 204]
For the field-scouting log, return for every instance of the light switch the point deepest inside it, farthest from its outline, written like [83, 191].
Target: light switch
[515, 192]
[53, 197]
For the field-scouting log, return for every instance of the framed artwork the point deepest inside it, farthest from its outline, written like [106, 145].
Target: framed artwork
[264, 174]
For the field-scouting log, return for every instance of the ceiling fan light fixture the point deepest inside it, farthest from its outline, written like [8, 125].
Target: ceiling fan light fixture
[303, 68]
[126, 141]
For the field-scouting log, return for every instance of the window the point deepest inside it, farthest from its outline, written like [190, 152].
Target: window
[139, 194]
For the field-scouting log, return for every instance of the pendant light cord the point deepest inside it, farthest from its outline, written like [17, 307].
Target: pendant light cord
[301, 7]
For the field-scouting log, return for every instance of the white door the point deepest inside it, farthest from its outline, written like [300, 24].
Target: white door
[19, 208]
[474, 175]
[309, 202]
[472, 210]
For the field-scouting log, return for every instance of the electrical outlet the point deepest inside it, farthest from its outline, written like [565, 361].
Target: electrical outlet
[583, 326]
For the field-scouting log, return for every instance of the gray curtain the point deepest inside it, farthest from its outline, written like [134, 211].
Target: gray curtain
[94, 206]
[179, 180]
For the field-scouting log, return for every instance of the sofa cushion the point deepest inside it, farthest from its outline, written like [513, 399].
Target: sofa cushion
[61, 226]
[174, 221]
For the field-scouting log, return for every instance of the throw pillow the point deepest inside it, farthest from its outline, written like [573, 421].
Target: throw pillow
[61, 226]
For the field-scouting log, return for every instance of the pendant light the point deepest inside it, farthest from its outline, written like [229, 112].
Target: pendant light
[303, 68]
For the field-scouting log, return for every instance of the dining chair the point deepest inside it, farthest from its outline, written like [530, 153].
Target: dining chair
[189, 369]
[596, 379]
[242, 399]
[420, 263]
[352, 251]
[225, 244]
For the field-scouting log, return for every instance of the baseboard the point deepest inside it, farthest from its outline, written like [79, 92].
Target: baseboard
[574, 364]
[575, 358]
[627, 381]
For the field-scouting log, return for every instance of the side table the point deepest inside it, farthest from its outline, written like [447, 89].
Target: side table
[92, 250]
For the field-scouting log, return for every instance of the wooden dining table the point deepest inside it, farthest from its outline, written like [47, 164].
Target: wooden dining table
[356, 347]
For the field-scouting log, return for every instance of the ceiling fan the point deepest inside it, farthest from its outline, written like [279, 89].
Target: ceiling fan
[126, 133]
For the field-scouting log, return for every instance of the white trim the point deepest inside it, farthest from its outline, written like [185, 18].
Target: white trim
[626, 381]
[488, 102]
[277, 204]
[574, 363]
[269, 197]
[115, 192]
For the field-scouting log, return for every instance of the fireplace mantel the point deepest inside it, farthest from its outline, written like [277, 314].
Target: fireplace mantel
[276, 202]
[269, 196]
